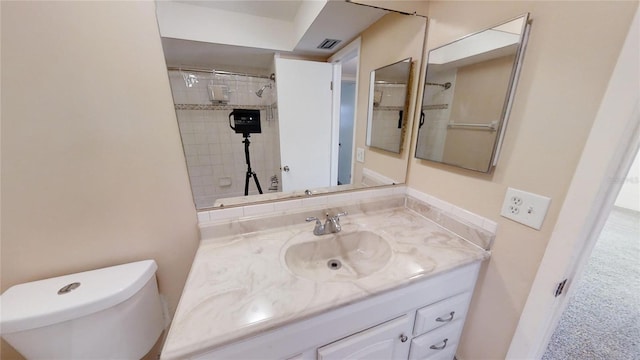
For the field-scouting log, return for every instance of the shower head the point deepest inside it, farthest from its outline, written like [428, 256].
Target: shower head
[259, 92]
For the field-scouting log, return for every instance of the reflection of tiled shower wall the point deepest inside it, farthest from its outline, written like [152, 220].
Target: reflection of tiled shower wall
[214, 152]
[386, 133]
[437, 110]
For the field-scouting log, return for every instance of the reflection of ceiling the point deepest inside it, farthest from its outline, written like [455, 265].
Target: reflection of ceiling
[212, 47]
[209, 56]
[477, 44]
[485, 56]
[489, 44]
[499, 41]
[394, 73]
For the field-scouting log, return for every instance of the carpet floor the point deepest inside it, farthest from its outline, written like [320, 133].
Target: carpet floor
[602, 320]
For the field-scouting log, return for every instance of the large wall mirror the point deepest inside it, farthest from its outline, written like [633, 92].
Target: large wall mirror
[388, 94]
[278, 65]
[467, 96]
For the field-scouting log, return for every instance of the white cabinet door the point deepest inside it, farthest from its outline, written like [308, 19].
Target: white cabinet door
[385, 341]
[304, 118]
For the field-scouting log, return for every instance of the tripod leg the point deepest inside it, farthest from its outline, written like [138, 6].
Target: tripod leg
[249, 171]
[255, 177]
[246, 183]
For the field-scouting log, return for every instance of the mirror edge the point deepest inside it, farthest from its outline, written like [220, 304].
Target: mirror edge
[406, 122]
[513, 84]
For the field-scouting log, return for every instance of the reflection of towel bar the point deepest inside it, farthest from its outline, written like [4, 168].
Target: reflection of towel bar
[492, 126]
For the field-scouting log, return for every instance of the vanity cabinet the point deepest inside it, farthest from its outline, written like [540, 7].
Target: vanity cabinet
[422, 320]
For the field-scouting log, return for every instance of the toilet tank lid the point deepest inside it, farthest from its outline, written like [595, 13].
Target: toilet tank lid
[38, 303]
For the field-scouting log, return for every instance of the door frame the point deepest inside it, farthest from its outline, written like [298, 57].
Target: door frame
[606, 159]
[347, 53]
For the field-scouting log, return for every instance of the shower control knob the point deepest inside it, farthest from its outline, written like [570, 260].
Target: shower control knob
[285, 168]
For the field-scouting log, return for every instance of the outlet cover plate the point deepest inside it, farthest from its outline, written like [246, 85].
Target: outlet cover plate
[525, 207]
[360, 155]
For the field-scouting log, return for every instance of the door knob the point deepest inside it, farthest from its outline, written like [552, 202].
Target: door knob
[403, 338]
[285, 168]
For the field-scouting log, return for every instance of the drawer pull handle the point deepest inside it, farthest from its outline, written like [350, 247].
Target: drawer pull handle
[403, 338]
[447, 319]
[444, 345]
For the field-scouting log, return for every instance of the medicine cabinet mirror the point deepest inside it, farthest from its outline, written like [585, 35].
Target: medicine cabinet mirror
[468, 91]
[388, 95]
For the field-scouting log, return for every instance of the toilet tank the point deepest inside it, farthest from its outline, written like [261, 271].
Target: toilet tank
[109, 313]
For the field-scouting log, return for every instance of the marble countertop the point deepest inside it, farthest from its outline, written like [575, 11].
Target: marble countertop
[239, 285]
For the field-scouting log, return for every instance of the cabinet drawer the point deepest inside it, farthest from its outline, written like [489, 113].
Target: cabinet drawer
[441, 313]
[446, 354]
[384, 341]
[436, 343]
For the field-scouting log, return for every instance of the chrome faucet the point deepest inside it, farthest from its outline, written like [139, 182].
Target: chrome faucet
[331, 224]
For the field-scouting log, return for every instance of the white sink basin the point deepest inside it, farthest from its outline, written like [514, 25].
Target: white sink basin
[341, 256]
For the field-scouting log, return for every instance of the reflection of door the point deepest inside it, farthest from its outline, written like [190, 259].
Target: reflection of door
[304, 117]
[347, 105]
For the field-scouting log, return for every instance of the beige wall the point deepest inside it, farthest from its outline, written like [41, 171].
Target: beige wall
[570, 57]
[479, 98]
[392, 38]
[93, 172]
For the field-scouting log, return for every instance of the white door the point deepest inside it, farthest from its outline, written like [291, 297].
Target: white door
[304, 118]
[384, 341]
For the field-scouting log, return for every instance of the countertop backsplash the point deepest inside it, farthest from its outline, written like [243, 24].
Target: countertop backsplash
[251, 218]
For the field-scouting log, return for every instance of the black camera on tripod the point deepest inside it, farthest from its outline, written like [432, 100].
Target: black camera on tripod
[245, 121]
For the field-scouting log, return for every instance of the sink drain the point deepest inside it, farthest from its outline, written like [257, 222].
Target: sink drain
[334, 264]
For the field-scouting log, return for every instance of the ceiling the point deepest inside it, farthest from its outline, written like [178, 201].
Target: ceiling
[274, 9]
[337, 20]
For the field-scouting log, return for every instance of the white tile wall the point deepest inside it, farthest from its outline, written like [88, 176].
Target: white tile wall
[385, 133]
[213, 151]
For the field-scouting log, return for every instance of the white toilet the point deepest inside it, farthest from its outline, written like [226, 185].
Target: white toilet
[109, 313]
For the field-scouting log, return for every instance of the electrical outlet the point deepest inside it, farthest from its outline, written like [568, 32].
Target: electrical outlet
[360, 155]
[524, 207]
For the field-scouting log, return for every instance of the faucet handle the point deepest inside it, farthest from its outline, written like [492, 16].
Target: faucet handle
[336, 216]
[319, 228]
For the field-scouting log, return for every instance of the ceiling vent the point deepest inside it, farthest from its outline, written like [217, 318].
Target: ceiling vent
[328, 44]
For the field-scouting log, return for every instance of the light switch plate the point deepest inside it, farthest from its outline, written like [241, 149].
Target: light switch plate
[360, 155]
[525, 207]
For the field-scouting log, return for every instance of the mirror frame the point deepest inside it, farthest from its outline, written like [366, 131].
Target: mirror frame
[371, 105]
[509, 97]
